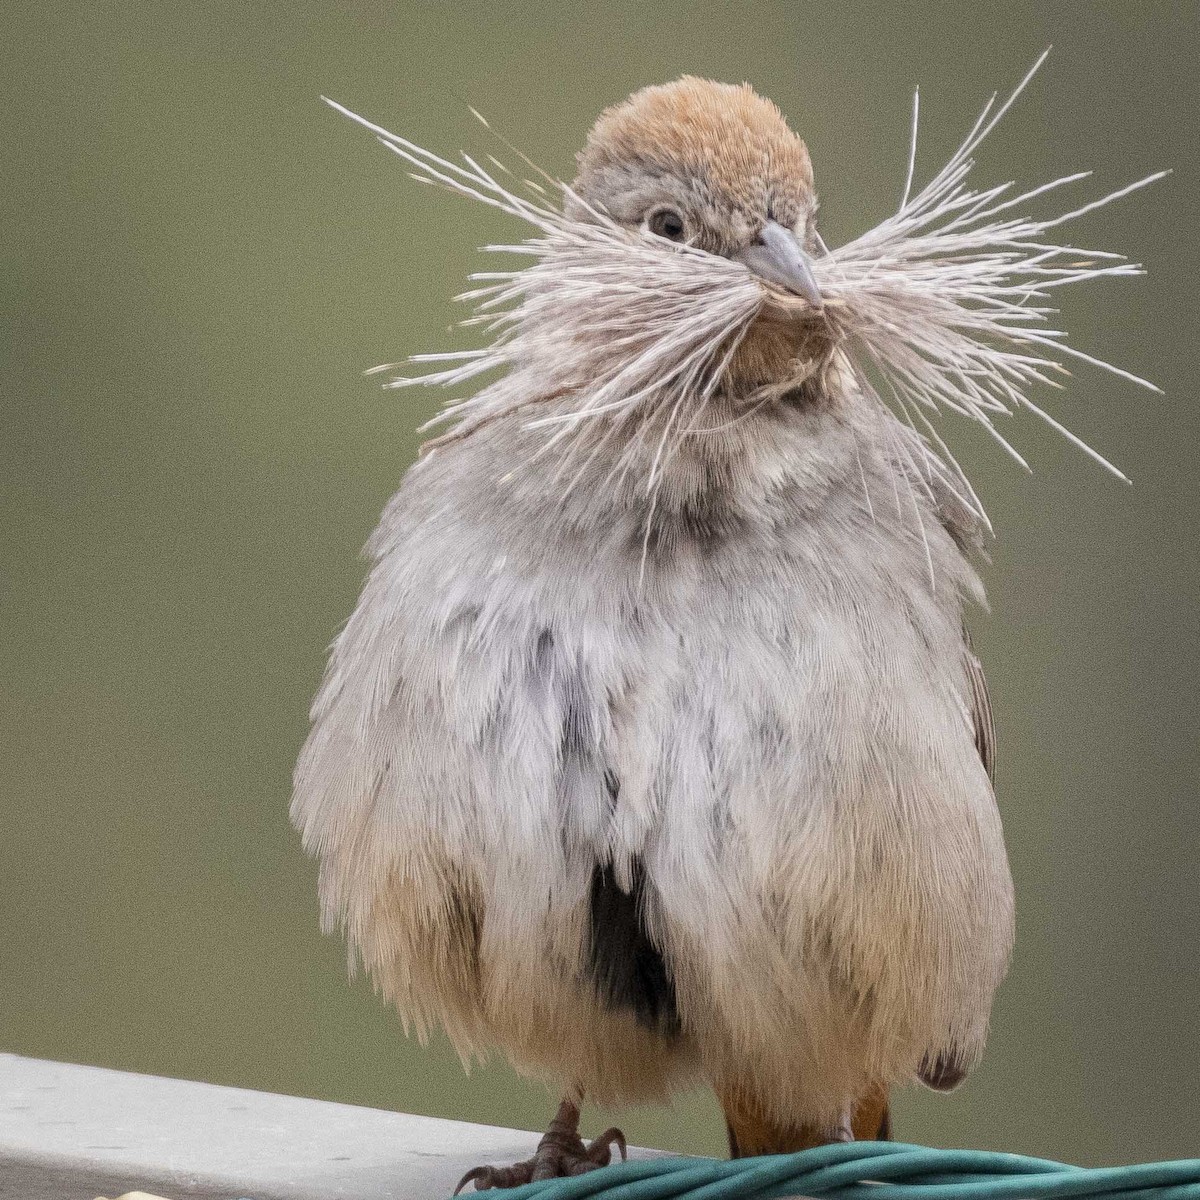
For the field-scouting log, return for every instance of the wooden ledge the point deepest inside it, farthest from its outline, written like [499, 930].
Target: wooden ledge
[74, 1133]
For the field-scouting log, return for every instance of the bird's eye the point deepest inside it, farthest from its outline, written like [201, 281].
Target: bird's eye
[667, 223]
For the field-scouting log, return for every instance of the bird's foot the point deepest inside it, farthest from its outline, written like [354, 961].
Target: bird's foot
[841, 1130]
[561, 1152]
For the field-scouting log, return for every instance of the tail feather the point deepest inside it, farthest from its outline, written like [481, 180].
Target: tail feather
[751, 1132]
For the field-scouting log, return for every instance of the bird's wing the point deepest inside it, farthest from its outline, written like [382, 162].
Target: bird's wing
[944, 1072]
[965, 527]
[981, 711]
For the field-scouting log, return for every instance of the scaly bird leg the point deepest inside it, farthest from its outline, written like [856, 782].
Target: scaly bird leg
[561, 1152]
[843, 1129]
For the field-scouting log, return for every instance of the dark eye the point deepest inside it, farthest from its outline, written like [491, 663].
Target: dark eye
[667, 223]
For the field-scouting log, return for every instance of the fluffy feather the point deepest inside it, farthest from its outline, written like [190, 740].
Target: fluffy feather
[704, 638]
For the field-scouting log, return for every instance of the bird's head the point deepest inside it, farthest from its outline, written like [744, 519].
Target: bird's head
[715, 166]
[711, 164]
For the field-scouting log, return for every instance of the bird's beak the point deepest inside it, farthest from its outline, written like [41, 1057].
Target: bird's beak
[778, 257]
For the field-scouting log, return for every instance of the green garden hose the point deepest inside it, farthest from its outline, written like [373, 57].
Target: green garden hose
[870, 1171]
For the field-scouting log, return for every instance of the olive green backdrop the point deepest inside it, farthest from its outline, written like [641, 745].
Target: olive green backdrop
[199, 261]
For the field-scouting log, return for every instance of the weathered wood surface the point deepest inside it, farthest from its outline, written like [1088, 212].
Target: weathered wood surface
[69, 1132]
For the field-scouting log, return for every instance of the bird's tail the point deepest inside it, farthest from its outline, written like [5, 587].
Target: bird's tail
[752, 1132]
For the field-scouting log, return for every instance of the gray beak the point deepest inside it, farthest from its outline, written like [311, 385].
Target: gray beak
[779, 258]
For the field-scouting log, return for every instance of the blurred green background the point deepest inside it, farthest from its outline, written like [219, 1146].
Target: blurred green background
[199, 261]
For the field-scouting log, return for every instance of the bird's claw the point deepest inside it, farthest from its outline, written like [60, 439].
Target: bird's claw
[599, 1149]
[497, 1177]
[557, 1156]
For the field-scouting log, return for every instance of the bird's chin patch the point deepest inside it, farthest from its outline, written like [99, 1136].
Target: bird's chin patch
[786, 345]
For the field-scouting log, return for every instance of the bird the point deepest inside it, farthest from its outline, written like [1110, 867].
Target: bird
[649, 787]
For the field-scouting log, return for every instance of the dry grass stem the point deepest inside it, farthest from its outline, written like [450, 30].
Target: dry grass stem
[944, 306]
